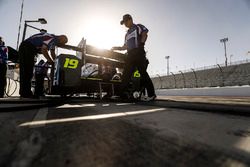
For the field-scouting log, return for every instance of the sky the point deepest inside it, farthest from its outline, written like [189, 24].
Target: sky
[189, 31]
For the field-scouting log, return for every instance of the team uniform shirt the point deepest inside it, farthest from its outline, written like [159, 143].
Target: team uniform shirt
[3, 54]
[133, 36]
[38, 40]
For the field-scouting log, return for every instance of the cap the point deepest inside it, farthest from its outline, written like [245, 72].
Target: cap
[125, 18]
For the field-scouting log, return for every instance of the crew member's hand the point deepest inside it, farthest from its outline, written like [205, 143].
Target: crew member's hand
[51, 62]
[141, 45]
[17, 65]
[115, 48]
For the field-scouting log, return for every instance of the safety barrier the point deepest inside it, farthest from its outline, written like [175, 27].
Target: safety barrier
[236, 74]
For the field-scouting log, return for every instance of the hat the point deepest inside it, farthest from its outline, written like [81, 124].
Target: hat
[125, 18]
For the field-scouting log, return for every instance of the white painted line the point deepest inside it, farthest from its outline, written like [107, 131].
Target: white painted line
[124, 104]
[76, 106]
[90, 117]
[105, 105]
[40, 116]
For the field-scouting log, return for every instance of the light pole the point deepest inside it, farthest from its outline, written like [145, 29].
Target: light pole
[224, 40]
[40, 20]
[167, 57]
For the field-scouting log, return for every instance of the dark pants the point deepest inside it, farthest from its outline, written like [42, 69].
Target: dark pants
[27, 52]
[3, 69]
[137, 59]
[39, 86]
[142, 84]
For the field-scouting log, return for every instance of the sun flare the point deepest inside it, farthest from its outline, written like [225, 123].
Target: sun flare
[103, 33]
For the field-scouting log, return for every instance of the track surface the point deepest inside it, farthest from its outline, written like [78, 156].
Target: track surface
[122, 134]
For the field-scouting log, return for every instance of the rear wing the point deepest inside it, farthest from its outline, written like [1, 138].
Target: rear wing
[91, 54]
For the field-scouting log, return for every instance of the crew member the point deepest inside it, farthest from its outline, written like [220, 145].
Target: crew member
[3, 66]
[135, 39]
[29, 48]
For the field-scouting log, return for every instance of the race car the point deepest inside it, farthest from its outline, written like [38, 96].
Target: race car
[90, 71]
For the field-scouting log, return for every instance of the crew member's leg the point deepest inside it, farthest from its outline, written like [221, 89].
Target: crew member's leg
[127, 73]
[147, 82]
[26, 54]
[39, 86]
[142, 82]
[3, 69]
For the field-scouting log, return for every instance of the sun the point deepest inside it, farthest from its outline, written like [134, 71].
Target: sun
[103, 33]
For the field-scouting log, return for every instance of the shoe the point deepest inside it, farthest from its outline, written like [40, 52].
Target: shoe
[143, 97]
[151, 98]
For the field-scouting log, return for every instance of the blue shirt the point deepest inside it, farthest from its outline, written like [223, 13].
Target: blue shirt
[38, 40]
[133, 36]
[3, 54]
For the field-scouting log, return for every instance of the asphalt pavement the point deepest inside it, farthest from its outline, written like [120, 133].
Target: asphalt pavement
[219, 104]
[89, 132]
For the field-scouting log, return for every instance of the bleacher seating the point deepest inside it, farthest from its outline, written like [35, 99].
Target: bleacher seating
[232, 75]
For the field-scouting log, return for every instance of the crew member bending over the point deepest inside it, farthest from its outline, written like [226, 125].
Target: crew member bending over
[29, 48]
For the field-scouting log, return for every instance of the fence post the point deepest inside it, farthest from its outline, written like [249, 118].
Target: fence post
[196, 83]
[160, 80]
[174, 79]
[184, 82]
[222, 76]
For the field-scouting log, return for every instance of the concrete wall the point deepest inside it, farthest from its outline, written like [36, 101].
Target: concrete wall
[234, 75]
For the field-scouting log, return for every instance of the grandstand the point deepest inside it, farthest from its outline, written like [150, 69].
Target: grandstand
[235, 74]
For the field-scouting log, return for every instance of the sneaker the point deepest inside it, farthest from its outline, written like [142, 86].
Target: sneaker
[143, 97]
[151, 98]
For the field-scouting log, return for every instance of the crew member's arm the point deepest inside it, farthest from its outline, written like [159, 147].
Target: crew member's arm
[44, 51]
[53, 54]
[144, 36]
[124, 47]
